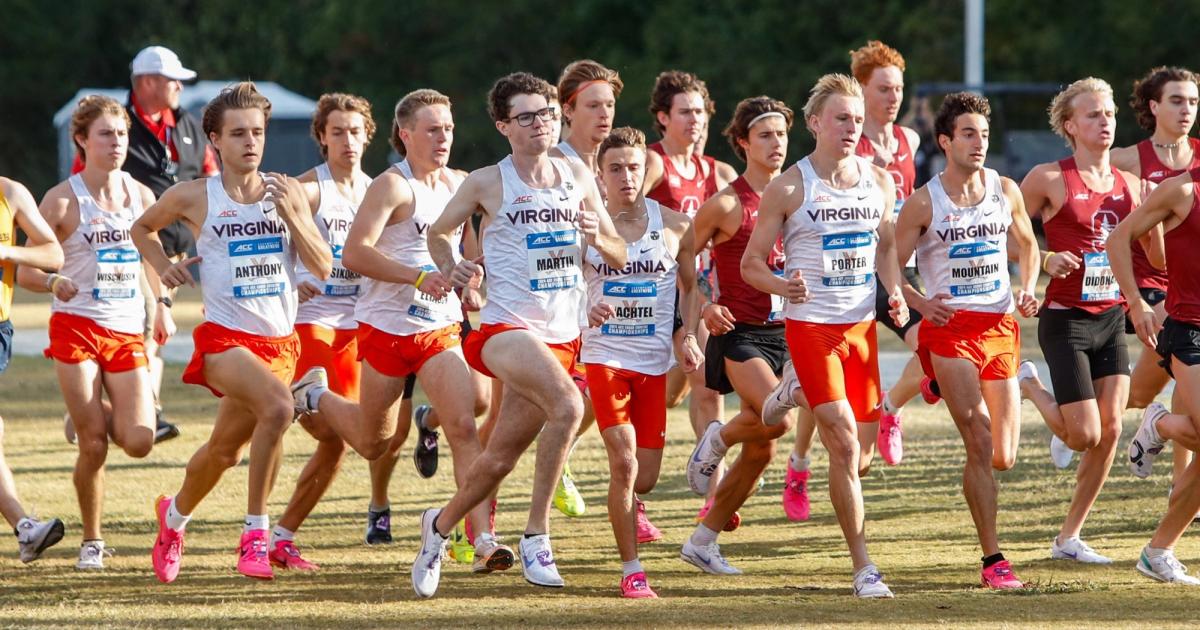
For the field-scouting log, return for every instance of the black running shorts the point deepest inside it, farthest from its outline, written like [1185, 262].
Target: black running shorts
[1080, 347]
[882, 307]
[1179, 340]
[744, 342]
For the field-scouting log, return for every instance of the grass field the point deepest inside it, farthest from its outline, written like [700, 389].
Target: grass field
[796, 574]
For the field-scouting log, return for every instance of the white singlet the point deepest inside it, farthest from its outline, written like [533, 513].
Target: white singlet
[246, 274]
[400, 309]
[570, 153]
[532, 255]
[99, 257]
[334, 307]
[831, 238]
[964, 252]
[638, 337]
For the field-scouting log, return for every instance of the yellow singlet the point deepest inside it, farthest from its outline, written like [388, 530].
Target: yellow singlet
[8, 271]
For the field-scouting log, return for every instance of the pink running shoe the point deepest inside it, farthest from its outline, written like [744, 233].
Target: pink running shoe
[252, 555]
[733, 523]
[931, 397]
[635, 586]
[890, 439]
[795, 495]
[646, 531]
[1000, 576]
[168, 547]
[286, 555]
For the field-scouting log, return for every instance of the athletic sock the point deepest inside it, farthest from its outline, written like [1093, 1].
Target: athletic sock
[175, 520]
[799, 464]
[257, 521]
[21, 523]
[371, 507]
[314, 396]
[279, 532]
[433, 526]
[992, 559]
[718, 445]
[703, 536]
[888, 407]
[1154, 552]
[631, 567]
[1154, 434]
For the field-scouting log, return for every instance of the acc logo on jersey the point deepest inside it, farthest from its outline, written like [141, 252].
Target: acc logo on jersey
[241, 249]
[522, 199]
[618, 289]
[822, 199]
[229, 213]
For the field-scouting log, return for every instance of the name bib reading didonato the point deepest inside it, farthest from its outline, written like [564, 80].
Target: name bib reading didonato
[1099, 284]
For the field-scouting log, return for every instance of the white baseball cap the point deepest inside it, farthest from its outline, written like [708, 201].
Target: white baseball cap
[160, 60]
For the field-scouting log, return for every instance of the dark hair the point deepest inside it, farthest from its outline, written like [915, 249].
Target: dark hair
[673, 82]
[339, 102]
[621, 138]
[1150, 87]
[955, 105]
[746, 111]
[243, 95]
[515, 84]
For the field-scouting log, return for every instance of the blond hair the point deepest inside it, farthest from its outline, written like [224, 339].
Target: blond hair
[339, 102]
[1062, 108]
[406, 113]
[243, 95]
[87, 111]
[833, 84]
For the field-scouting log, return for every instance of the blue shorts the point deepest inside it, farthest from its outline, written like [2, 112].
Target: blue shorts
[6, 336]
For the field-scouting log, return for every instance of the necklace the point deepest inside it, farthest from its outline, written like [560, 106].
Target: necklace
[1167, 146]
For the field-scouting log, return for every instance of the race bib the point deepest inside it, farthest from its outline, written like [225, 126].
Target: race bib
[849, 259]
[777, 303]
[976, 268]
[427, 307]
[257, 267]
[341, 281]
[553, 260]
[117, 274]
[634, 305]
[1099, 284]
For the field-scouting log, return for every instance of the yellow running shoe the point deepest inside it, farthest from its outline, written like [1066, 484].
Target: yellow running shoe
[566, 496]
[461, 549]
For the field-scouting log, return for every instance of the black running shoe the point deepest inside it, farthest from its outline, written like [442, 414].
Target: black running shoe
[163, 430]
[379, 527]
[425, 455]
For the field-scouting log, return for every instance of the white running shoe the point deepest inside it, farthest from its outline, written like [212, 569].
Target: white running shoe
[707, 558]
[34, 537]
[316, 377]
[537, 560]
[91, 555]
[1165, 568]
[868, 584]
[704, 460]
[1146, 443]
[1060, 453]
[1077, 550]
[780, 400]
[1027, 370]
[427, 566]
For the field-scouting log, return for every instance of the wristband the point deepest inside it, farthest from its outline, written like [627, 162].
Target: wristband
[1046, 261]
[55, 281]
[166, 301]
[50, 281]
[420, 279]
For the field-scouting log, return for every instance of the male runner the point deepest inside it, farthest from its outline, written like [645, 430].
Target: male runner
[746, 347]
[1081, 326]
[1165, 103]
[959, 224]
[98, 312]
[1173, 205]
[41, 250]
[342, 126]
[628, 347]
[408, 318]
[537, 207]
[249, 229]
[835, 212]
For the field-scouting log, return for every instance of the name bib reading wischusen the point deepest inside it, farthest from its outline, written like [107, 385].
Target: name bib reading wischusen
[118, 274]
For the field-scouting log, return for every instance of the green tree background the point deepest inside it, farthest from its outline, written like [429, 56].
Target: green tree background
[382, 49]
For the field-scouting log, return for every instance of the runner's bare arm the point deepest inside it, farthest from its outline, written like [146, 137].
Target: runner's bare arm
[710, 225]
[725, 174]
[1152, 241]
[185, 202]
[654, 171]
[467, 200]
[783, 194]
[910, 225]
[603, 235]
[1038, 192]
[293, 205]
[41, 248]
[388, 201]
[1126, 158]
[685, 279]
[1022, 239]
[889, 270]
[56, 213]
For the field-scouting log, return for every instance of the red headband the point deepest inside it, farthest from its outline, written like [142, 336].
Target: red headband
[583, 86]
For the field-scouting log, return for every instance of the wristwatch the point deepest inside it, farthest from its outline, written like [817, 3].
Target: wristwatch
[165, 301]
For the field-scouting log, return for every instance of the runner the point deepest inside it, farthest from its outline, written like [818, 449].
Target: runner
[835, 214]
[41, 249]
[1165, 102]
[342, 126]
[529, 337]
[98, 313]
[1173, 206]
[746, 348]
[408, 319]
[960, 224]
[1080, 200]
[627, 349]
[249, 229]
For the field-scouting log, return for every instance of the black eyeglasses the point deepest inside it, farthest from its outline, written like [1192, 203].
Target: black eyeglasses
[546, 114]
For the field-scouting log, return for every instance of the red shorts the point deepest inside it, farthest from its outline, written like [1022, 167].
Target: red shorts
[336, 350]
[75, 339]
[837, 362]
[278, 353]
[398, 356]
[628, 397]
[992, 341]
[567, 352]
